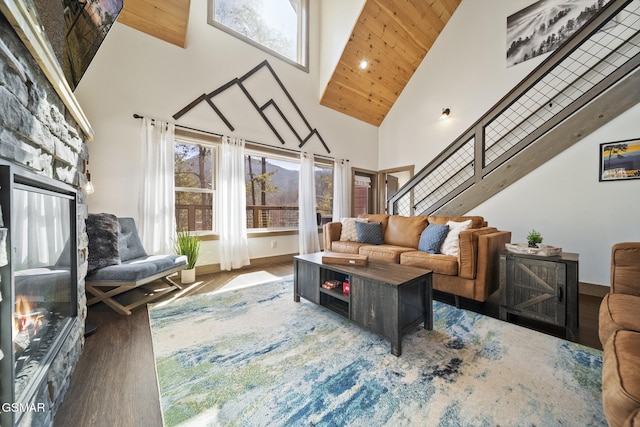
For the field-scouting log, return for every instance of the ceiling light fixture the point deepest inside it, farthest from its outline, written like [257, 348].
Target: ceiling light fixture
[364, 64]
[445, 114]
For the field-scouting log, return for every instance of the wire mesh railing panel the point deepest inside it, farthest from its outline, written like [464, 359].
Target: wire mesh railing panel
[402, 206]
[439, 193]
[445, 178]
[598, 57]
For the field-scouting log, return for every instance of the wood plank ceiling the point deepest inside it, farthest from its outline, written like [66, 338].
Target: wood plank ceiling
[164, 19]
[393, 36]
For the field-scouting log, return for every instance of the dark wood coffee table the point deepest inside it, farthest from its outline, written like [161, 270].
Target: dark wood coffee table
[385, 298]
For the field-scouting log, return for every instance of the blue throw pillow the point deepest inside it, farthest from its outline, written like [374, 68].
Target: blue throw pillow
[432, 238]
[370, 232]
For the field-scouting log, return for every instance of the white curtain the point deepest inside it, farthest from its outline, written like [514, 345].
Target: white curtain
[232, 205]
[157, 224]
[40, 229]
[340, 189]
[307, 221]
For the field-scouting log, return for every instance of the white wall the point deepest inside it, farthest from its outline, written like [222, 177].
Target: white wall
[136, 73]
[466, 71]
[337, 19]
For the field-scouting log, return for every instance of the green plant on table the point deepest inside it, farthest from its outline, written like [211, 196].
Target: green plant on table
[189, 245]
[534, 238]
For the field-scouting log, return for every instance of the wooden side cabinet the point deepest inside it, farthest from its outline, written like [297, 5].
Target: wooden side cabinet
[540, 288]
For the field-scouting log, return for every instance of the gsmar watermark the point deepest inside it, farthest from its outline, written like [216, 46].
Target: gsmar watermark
[22, 407]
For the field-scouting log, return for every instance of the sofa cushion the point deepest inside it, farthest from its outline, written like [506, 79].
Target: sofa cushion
[129, 243]
[621, 377]
[388, 253]
[438, 263]
[625, 268]
[346, 247]
[476, 221]
[370, 232]
[432, 237]
[137, 269]
[405, 230]
[451, 244]
[618, 311]
[349, 233]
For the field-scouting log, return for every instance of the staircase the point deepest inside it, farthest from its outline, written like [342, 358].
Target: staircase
[588, 81]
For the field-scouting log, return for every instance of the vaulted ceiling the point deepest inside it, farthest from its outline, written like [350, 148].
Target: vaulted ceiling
[393, 36]
[164, 19]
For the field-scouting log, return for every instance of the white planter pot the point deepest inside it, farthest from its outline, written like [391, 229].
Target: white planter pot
[188, 276]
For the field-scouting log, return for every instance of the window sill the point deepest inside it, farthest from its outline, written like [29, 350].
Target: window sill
[259, 233]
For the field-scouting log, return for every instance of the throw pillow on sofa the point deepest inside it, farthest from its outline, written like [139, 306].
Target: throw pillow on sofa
[451, 244]
[370, 232]
[432, 238]
[349, 233]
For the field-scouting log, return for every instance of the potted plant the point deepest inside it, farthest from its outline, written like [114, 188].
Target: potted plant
[534, 238]
[189, 245]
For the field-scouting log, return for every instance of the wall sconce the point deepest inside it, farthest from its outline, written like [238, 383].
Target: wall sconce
[88, 186]
[445, 114]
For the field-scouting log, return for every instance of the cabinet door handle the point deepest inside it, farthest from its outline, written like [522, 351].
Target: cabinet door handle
[559, 294]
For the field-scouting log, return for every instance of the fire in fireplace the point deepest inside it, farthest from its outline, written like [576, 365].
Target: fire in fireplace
[40, 242]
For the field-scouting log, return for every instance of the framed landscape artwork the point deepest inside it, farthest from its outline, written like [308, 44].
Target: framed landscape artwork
[545, 25]
[620, 160]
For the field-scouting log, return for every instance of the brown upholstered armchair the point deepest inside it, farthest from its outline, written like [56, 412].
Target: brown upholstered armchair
[619, 332]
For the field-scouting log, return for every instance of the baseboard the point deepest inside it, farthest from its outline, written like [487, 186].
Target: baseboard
[255, 262]
[593, 290]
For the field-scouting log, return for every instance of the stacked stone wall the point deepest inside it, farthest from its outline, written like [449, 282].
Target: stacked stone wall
[37, 132]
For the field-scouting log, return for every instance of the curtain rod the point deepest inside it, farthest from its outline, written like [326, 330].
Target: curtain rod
[138, 116]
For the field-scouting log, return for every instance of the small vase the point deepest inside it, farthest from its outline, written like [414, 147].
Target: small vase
[188, 276]
[533, 245]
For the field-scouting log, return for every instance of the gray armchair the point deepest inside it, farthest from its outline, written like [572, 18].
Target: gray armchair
[135, 269]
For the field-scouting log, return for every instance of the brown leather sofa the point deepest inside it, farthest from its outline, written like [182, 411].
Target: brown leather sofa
[619, 332]
[473, 274]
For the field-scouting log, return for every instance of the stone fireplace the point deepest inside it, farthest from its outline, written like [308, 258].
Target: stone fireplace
[43, 244]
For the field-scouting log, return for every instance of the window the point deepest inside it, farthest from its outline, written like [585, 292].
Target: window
[272, 191]
[276, 26]
[194, 185]
[271, 182]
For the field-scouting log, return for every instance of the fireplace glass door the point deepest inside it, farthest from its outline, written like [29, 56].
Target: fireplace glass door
[41, 241]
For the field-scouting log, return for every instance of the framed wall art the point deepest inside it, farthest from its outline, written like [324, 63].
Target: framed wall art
[545, 25]
[620, 160]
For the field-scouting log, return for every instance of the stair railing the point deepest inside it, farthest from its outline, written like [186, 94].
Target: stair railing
[598, 55]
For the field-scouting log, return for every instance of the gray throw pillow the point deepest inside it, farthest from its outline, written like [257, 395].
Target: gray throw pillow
[103, 230]
[370, 232]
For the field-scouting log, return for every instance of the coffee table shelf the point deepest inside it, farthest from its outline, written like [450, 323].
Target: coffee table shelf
[336, 294]
[385, 298]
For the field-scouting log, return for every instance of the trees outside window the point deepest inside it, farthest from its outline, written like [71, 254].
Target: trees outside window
[272, 191]
[194, 173]
[271, 184]
[276, 26]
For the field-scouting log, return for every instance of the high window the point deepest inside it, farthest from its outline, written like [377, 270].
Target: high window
[194, 185]
[279, 27]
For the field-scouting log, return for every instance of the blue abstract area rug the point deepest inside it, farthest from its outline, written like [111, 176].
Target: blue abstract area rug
[254, 357]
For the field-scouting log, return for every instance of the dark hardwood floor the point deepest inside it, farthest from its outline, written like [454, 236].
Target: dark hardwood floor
[114, 383]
